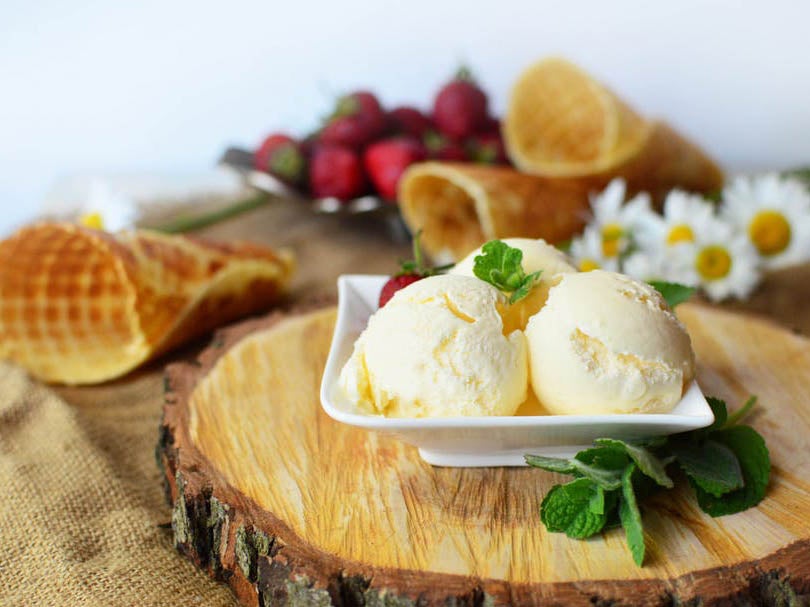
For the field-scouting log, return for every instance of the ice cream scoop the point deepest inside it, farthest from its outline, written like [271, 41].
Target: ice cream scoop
[605, 343]
[538, 256]
[438, 349]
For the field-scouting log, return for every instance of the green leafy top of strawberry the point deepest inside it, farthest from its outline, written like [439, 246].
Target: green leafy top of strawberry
[417, 264]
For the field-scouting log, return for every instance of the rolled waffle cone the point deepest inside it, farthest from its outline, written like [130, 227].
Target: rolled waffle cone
[459, 206]
[81, 306]
[561, 122]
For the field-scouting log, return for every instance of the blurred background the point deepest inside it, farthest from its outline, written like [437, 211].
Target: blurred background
[157, 89]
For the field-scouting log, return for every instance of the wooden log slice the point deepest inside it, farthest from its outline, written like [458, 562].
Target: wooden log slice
[290, 507]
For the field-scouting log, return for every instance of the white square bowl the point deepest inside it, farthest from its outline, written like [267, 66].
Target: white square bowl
[484, 441]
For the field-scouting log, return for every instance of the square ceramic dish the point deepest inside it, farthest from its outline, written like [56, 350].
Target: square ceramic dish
[484, 441]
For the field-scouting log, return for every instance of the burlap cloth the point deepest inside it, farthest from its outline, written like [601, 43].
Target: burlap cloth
[82, 512]
[82, 504]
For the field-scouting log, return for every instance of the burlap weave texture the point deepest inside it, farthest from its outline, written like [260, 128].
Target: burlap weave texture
[81, 501]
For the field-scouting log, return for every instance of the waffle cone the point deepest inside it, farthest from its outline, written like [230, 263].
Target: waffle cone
[81, 306]
[562, 122]
[459, 206]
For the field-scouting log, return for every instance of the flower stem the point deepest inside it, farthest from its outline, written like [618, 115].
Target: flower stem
[191, 223]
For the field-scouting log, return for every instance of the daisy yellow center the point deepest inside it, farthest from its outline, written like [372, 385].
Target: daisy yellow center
[587, 264]
[611, 239]
[92, 220]
[770, 232]
[713, 262]
[680, 233]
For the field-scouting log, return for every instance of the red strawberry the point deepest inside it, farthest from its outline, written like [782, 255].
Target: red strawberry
[460, 108]
[409, 121]
[394, 284]
[336, 170]
[443, 148]
[282, 156]
[409, 273]
[386, 160]
[487, 148]
[491, 125]
[357, 120]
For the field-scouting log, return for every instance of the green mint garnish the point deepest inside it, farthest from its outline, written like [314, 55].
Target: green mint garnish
[631, 517]
[752, 454]
[673, 293]
[500, 265]
[709, 465]
[573, 509]
[727, 465]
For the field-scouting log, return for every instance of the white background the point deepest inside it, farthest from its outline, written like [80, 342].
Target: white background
[162, 86]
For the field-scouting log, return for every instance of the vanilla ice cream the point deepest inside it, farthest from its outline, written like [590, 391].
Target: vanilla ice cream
[437, 349]
[538, 256]
[605, 343]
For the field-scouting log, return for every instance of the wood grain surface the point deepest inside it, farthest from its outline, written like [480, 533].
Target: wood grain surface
[284, 503]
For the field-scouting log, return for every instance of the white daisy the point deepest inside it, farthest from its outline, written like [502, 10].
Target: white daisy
[773, 212]
[587, 252]
[616, 219]
[682, 213]
[107, 209]
[646, 265]
[720, 260]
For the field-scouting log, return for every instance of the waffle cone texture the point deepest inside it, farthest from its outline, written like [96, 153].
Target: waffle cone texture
[82, 306]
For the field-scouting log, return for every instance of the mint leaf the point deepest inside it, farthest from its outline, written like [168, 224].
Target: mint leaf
[597, 502]
[602, 466]
[755, 463]
[500, 265]
[710, 465]
[552, 464]
[720, 412]
[525, 287]
[645, 459]
[673, 293]
[631, 517]
[740, 413]
[567, 509]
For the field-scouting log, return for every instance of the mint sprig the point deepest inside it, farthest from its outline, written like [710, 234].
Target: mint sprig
[500, 265]
[673, 293]
[726, 464]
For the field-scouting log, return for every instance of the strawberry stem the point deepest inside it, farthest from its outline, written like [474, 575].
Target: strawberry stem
[464, 74]
[417, 252]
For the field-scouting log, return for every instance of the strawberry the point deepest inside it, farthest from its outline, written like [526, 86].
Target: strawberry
[409, 273]
[440, 147]
[394, 284]
[357, 120]
[487, 148]
[282, 156]
[491, 125]
[386, 160]
[460, 108]
[409, 121]
[337, 171]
